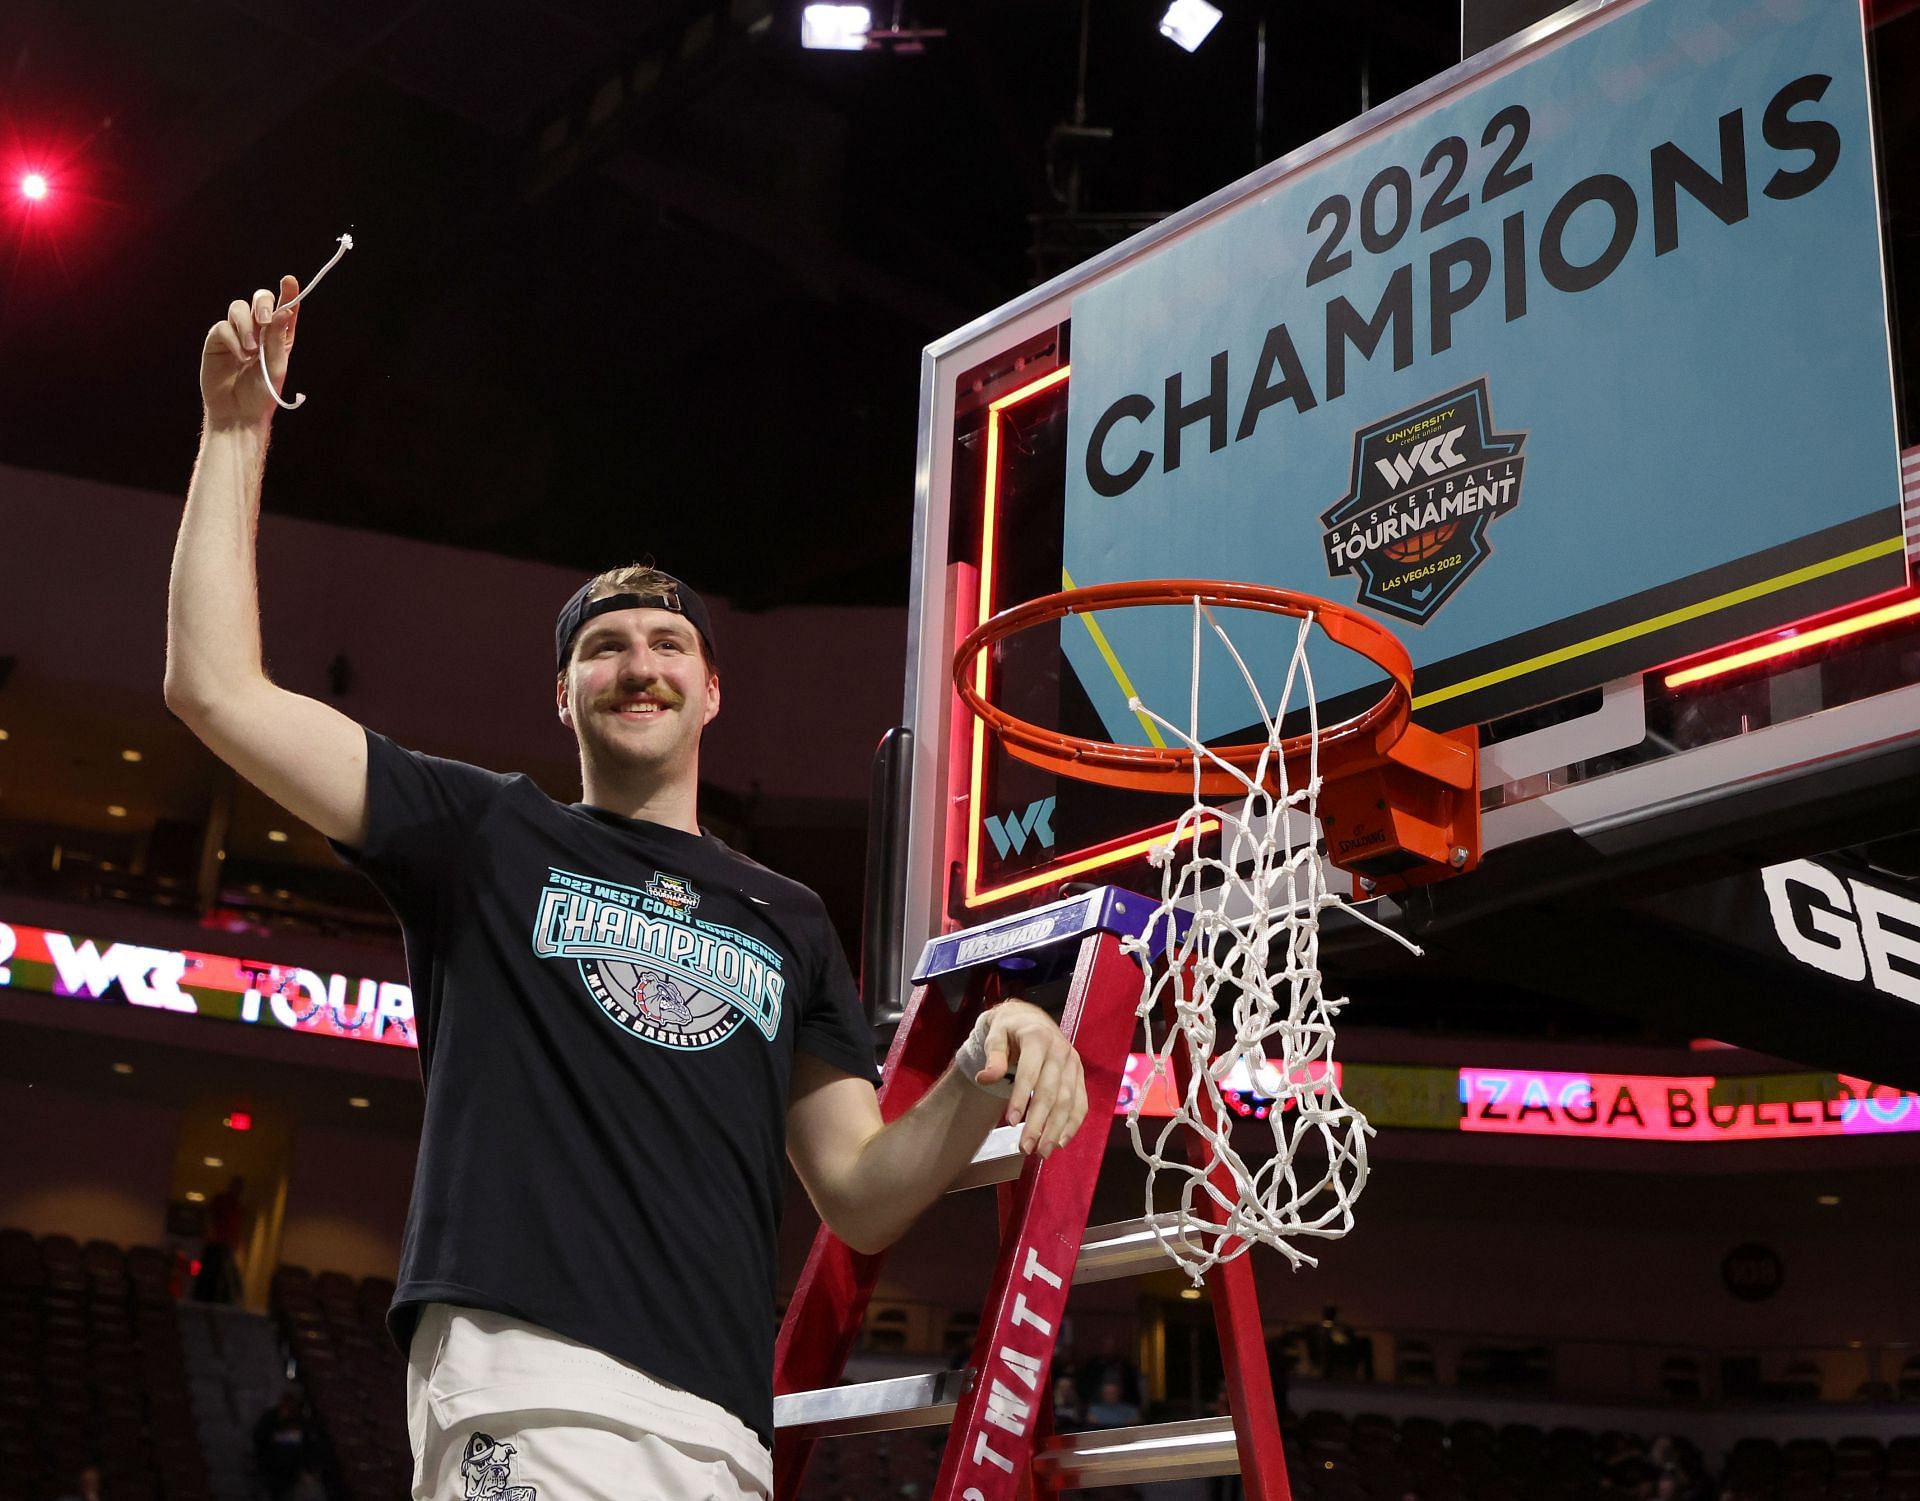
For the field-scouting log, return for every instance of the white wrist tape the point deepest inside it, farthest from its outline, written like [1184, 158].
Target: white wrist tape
[972, 1057]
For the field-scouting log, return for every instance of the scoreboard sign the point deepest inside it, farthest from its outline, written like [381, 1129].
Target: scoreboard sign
[1579, 368]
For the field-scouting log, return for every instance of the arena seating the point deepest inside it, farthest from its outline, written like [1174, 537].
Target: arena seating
[336, 1329]
[1370, 1457]
[91, 1372]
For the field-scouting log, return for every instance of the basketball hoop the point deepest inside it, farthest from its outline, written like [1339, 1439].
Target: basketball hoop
[1402, 803]
[1396, 804]
[1147, 768]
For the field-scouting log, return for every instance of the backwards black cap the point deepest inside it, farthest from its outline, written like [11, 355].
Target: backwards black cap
[675, 596]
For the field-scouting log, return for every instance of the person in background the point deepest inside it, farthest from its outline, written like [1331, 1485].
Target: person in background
[1111, 1364]
[308, 1487]
[1224, 1487]
[1112, 1410]
[86, 1485]
[283, 1448]
[218, 1280]
[1069, 1412]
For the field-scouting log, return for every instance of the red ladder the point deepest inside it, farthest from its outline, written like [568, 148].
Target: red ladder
[999, 1409]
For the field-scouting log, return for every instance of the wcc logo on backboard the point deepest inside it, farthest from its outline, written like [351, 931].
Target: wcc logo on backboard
[1427, 483]
[1011, 833]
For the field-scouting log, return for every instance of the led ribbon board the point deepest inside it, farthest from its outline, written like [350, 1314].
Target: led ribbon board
[1610, 1107]
[216, 985]
[1643, 1107]
[1579, 368]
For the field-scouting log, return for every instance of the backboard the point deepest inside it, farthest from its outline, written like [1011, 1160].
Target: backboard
[1572, 367]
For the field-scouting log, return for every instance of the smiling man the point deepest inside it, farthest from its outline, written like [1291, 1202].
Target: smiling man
[624, 1025]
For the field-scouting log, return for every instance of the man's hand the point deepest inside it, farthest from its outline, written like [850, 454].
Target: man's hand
[870, 1180]
[230, 385]
[1049, 1086]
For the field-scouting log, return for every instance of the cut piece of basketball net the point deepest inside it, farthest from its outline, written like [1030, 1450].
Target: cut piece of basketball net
[299, 400]
[1254, 940]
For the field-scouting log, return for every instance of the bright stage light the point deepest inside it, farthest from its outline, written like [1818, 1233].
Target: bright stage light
[835, 28]
[1188, 22]
[33, 186]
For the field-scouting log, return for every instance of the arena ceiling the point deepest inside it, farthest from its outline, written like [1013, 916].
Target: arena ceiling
[629, 277]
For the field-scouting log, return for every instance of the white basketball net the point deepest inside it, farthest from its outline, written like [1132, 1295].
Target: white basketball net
[1254, 939]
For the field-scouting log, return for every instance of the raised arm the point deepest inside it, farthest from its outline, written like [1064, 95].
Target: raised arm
[307, 757]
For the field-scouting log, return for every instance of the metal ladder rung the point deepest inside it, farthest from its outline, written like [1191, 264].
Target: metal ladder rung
[923, 1401]
[1138, 1456]
[1126, 1248]
[999, 1160]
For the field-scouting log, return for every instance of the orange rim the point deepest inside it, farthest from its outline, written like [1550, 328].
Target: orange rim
[1349, 746]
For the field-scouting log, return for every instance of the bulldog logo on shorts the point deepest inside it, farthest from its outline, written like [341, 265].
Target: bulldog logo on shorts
[486, 1466]
[653, 967]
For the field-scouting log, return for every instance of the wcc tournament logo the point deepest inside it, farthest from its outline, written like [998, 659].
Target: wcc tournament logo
[674, 891]
[655, 969]
[1427, 483]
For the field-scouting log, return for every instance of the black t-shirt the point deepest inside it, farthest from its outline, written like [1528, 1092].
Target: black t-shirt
[608, 1011]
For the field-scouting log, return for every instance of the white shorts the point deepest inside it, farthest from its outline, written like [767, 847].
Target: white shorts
[500, 1410]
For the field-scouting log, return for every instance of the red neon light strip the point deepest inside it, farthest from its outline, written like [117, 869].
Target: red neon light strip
[972, 895]
[1800, 640]
[1095, 861]
[989, 516]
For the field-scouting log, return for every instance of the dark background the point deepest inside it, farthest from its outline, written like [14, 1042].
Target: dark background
[629, 277]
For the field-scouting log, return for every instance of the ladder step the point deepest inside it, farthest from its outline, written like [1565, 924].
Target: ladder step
[999, 1160]
[1126, 1248]
[1139, 1456]
[923, 1401]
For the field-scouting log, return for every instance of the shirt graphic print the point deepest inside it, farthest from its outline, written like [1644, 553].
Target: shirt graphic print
[654, 967]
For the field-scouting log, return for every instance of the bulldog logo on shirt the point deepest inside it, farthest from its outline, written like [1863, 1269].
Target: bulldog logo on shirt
[659, 999]
[486, 1467]
[657, 970]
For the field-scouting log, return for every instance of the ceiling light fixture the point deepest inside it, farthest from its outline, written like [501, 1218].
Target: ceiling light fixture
[1189, 22]
[130, 754]
[213, 1161]
[123, 1068]
[194, 1196]
[277, 836]
[359, 1101]
[1827, 1201]
[835, 28]
[114, 810]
